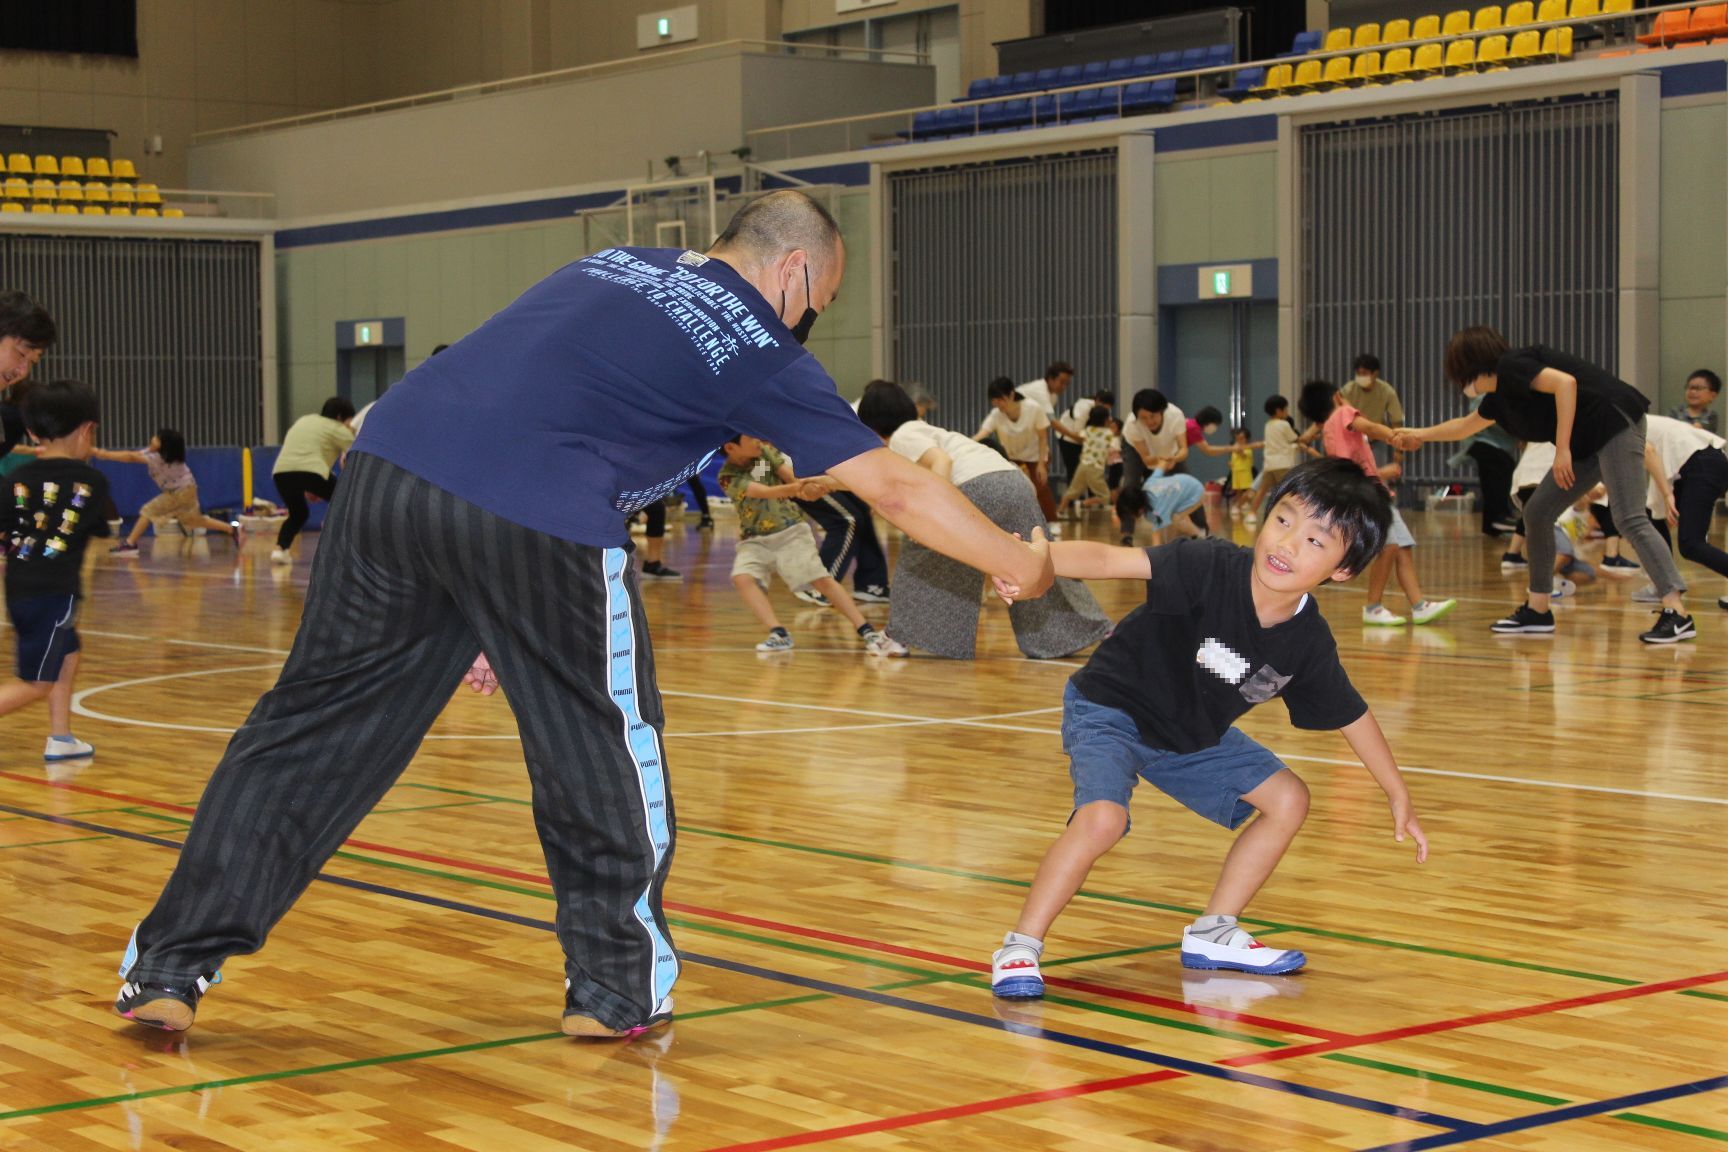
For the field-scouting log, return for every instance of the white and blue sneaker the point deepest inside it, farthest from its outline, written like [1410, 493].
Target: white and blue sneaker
[1014, 973]
[1238, 952]
[61, 748]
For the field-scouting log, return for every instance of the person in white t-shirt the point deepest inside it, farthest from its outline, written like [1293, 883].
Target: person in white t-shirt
[1047, 393]
[1688, 470]
[1022, 427]
[934, 603]
[1155, 437]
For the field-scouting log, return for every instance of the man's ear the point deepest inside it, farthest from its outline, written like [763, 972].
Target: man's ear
[1343, 576]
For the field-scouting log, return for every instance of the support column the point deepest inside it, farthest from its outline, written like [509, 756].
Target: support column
[882, 298]
[1641, 232]
[1289, 260]
[1136, 269]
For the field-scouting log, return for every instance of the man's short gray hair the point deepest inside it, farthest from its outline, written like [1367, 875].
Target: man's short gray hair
[771, 226]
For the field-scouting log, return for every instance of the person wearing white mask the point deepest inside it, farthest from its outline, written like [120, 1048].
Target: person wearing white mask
[1374, 397]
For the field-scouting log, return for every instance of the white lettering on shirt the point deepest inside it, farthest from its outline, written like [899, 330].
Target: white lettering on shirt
[719, 325]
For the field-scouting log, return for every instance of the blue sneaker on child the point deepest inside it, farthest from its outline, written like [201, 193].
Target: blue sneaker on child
[1014, 972]
[1236, 951]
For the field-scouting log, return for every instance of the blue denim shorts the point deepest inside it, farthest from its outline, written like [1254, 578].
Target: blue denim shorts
[1106, 758]
[45, 633]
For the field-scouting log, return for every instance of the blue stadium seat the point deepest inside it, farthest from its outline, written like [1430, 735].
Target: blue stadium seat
[1015, 113]
[924, 125]
[1019, 82]
[1243, 83]
[1120, 68]
[1306, 42]
[1145, 65]
[1046, 78]
[955, 121]
[993, 115]
[1168, 62]
[1193, 58]
[1086, 103]
[1044, 110]
[1219, 55]
[981, 89]
[1145, 95]
[1095, 73]
[1068, 76]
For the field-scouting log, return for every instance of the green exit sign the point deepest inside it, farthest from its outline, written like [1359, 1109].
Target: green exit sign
[663, 26]
[368, 333]
[1221, 283]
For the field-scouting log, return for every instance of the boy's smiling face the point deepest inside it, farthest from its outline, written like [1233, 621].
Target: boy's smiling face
[1297, 551]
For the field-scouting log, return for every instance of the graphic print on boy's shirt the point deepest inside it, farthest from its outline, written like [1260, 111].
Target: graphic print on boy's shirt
[56, 507]
[1222, 661]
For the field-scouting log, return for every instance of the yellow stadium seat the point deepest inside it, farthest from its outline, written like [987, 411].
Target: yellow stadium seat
[96, 192]
[11, 206]
[1456, 23]
[71, 166]
[122, 194]
[19, 164]
[1366, 70]
[1367, 36]
[95, 210]
[1460, 56]
[147, 194]
[17, 188]
[1583, 8]
[1615, 7]
[1308, 74]
[146, 211]
[1425, 28]
[2, 162]
[1557, 42]
[172, 213]
[1395, 32]
[123, 170]
[1397, 66]
[120, 211]
[1277, 78]
[1551, 10]
[1337, 72]
[43, 188]
[1526, 47]
[1429, 58]
[66, 210]
[41, 209]
[1487, 19]
[1491, 54]
[71, 190]
[1523, 12]
[47, 166]
[97, 168]
[1336, 40]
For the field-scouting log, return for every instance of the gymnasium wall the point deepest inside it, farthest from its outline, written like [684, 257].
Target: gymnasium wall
[1215, 206]
[1694, 278]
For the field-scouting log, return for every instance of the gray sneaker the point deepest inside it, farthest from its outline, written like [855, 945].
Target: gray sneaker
[1646, 595]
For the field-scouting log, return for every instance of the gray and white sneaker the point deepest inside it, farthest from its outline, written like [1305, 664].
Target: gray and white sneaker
[811, 596]
[778, 640]
[870, 594]
[1646, 595]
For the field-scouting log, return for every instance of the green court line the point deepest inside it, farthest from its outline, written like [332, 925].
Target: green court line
[1442, 1078]
[429, 807]
[368, 1062]
[1673, 1126]
[67, 840]
[1129, 1014]
[466, 792]
[1703, 995]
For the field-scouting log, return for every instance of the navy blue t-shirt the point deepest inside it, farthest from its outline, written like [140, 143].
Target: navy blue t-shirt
[604, 387]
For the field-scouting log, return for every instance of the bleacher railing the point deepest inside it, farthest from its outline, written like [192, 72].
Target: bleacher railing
[876, 129]
[654, 59]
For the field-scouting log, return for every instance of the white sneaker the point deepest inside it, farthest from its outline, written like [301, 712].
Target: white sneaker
[1053, 530]
[778, 640]
[281, 556]
[1381, 616]
[70, 748]
[1014, 973]
[1563, 587]
[882, 644]
[1431, 610]
[1240, 952]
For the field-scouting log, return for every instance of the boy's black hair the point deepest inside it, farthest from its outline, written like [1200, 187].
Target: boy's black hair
[1132, 502]
[1711, 380]
[1275, 405]
[885, 406]
[1002, 388]
[173, 449]
[22, 317]
[337, 408]
[58, 408]
[1316, 400]
[1240, 430]
[1474, 352]
[1098, 417]
[735, 438]
[1208, 415]
[1108, 399]
[1367, 362]
[1148, 400]
[1343, 497]
[1058, 368]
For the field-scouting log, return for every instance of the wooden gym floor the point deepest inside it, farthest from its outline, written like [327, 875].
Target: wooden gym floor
[856, 834]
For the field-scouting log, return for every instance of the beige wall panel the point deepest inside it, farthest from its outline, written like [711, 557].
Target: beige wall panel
[21, 106]
[219, 49]
[127, 117]
[167, 52]
[270, 46]
[210, 115]
[318, 73]
[115, 75]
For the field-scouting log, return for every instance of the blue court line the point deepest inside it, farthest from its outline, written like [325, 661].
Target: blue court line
[1464, 1129]
[1556, 1116]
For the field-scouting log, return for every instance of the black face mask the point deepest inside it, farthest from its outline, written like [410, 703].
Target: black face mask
[801, 330]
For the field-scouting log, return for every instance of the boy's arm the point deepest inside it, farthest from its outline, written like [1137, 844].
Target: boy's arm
[1087, 560]
[1372, 430]
[756, 490]
[1369, 744]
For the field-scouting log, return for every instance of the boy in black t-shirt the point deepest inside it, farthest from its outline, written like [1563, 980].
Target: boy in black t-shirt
[1223, 628]
[53, 507]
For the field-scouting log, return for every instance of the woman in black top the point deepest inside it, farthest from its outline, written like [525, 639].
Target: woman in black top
[1596, 423]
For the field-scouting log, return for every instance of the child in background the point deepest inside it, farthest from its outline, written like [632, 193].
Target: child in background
[1283, 449]
[1223, 628]
[53, 511]
[1702, 388]
[1094, 452]
[178, 503]
[1242, 476]
[774, 537]
[1167, 502]
[1113, 460]
[1345, 433]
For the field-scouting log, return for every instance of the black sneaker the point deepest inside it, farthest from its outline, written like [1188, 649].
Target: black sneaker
[1512, 562]
[1722, 602]
[579, 1023]
[1525, 619]
[1619, 566]
[706, 524]
[1671, 628]
[870, 594]
[656, 570]
[170, 1007]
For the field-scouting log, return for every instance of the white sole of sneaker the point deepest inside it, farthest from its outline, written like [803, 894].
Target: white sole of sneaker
[166, 1014]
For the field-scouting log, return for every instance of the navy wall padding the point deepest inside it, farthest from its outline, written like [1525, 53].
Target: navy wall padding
[217, 470]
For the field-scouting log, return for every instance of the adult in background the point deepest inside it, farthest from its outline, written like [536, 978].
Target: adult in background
[485, 509]
[1374, 397]
[26, 332]
[1154, 439]
[1047, 392]
[314, 443]
[935, 602]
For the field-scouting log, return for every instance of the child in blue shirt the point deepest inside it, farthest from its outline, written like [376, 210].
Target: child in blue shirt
[1223, 628]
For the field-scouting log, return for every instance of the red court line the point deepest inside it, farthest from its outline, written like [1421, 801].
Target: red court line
[773, 926]
[952, 1113]
[1551, 1006]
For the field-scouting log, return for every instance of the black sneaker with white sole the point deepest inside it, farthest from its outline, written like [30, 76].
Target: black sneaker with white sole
[169, 1007]
[871, 594]
[656, 570]
[1671, 628]
[1512, 562]
[1722, 602]
[1525, 620]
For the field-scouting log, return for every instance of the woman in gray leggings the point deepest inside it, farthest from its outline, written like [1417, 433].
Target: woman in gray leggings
[1596, 423]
